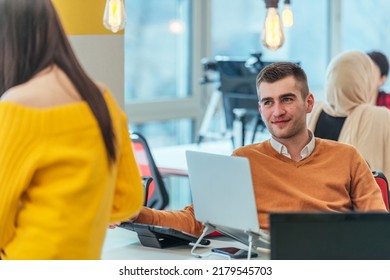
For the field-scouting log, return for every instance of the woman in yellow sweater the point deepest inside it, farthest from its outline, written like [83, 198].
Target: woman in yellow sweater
[67, 166]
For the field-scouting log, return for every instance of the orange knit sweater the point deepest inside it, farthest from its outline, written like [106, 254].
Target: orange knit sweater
[334, 178]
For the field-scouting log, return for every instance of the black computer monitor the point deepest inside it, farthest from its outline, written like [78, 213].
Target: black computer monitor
[330, 236]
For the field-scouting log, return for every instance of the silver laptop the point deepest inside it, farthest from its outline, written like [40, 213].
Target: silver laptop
[223, 196]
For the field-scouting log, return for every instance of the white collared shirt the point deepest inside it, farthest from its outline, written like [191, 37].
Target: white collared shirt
[306, 151]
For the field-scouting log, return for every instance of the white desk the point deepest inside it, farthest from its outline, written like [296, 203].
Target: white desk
[122, 244]
[171, 160]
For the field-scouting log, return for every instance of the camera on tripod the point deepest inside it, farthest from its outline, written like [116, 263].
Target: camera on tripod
[209, 65]
[237, 86]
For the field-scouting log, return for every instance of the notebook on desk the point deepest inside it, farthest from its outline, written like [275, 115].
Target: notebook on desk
[223, 196]
[330, 236]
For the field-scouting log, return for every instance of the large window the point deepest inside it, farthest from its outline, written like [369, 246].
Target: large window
[364, 27]
[237, 27]
[165, 41]
[157, 49]
[158, 70]
[158, 78]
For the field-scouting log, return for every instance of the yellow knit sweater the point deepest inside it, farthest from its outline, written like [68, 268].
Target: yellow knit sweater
[58, 192]
[334, 178]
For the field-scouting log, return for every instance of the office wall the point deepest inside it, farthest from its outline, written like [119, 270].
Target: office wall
[100, 51]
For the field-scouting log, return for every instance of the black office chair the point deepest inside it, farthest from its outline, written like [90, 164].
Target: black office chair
[147, 181]
[156, 193]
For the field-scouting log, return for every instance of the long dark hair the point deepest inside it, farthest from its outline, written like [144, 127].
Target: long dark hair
[31, 39]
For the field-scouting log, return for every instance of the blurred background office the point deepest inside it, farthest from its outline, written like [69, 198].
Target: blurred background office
[165, 41]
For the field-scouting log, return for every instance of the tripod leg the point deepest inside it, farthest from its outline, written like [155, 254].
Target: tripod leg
[258, 122]
[210, 111]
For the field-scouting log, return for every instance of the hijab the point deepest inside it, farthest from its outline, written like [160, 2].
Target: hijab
[351, 91]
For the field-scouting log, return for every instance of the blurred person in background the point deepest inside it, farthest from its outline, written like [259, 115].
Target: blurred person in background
[350, 114]
[382, 65]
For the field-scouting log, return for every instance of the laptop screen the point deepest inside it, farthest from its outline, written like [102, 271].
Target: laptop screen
[222, 190]
[327, 236]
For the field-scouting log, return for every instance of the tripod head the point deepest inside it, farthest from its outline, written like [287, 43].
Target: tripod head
[208, 65]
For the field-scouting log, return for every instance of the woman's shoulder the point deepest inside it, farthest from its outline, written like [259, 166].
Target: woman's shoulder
[49, 88]
[18, 94]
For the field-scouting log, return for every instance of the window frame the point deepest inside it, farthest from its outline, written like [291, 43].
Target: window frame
[139, 112]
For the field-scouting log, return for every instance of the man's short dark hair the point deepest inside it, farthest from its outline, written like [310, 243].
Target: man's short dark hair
[381, 61]
[280, 70]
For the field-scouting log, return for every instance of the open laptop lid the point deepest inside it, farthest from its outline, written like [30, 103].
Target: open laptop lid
[327, 236]
[222, 191]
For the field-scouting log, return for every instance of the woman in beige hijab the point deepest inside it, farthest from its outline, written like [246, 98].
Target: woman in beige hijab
[350, 115]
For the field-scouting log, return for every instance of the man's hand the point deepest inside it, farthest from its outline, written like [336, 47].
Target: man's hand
[114, 225]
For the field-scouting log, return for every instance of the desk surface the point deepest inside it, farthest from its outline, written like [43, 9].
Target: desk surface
[171, 160]
[122, 244]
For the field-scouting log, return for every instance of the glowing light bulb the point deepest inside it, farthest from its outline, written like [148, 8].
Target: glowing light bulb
[114, 18]
[272, 36]
[287, 14]
[176, 26]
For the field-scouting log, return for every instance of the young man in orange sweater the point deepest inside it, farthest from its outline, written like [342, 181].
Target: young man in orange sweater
[292, 171]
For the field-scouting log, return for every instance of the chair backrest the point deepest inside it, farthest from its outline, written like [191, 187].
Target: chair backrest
[147, 181]
[383, 185]
[157, 195]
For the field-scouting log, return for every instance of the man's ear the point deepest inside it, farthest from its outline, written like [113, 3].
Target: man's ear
[309, 102]
[259, 107]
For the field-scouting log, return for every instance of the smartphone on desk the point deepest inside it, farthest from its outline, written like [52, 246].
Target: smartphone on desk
[234, 253]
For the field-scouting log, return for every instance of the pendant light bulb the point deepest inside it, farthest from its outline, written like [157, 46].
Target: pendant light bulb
[287, 14]
[272, 36]
[114, 18]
